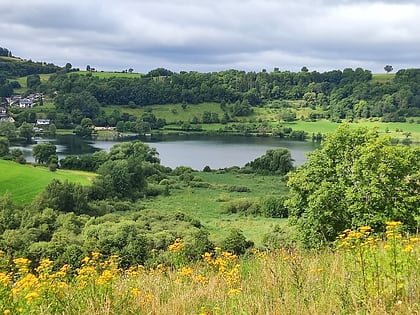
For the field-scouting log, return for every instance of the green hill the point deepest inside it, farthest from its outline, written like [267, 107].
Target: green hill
[24, 182]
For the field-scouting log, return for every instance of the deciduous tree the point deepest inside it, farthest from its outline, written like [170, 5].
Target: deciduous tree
[357, 178]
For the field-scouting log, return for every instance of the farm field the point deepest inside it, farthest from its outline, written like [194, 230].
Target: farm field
[24, 182]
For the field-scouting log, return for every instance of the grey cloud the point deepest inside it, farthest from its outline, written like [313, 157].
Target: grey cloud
[207, 35]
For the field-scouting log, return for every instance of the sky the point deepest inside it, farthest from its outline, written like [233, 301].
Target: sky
[214, 35]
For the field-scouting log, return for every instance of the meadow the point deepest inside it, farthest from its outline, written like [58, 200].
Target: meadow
[208, 203]
[365, 273]
[24, 182]
[109, 74]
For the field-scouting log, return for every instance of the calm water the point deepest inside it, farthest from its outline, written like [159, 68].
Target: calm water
[189, 150]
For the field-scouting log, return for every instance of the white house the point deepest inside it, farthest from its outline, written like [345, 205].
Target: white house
[43, 122]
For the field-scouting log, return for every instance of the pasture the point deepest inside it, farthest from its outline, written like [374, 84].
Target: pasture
[24, 182]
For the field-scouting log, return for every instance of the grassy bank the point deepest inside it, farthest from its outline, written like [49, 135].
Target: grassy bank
[24, 182]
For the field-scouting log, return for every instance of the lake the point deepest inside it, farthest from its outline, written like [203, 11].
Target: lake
[195, 151]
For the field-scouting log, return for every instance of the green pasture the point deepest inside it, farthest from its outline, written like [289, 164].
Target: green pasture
[206, 204]
[172, 113]
[24, 182]
[108, 74]
[383, 77]
[22, 81]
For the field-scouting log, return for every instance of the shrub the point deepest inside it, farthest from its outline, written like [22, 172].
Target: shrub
[234, 188]
[236, 242]
[273, 207]
[242, 205]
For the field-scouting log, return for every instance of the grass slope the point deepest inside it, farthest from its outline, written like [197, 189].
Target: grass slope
[24, 182]
[383, 77]
[106, 74]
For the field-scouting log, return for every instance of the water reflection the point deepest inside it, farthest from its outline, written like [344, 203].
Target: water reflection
[196, 151]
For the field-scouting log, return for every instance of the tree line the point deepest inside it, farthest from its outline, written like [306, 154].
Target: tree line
[347, 94]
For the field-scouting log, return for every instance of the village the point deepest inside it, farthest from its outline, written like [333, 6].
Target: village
[24, 103]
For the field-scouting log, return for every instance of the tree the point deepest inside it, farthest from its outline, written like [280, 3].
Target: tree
[287, 114]
[8, 129]
[33, 80]
[52, 129]
[388, 68]
[85, 128]
[277, 161]
[26, 131]
[4, 146]
[64, 196]
[44, 152]
[355, 179]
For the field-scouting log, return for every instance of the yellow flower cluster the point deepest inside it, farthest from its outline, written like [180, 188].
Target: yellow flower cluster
[177, 246]
[357, 238]
[226, 265]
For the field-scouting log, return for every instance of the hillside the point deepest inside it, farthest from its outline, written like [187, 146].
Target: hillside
[24, 182]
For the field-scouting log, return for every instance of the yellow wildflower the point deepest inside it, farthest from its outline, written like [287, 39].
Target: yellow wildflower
[31, 296]
[408, 249]
[200, 279]
[135, 291]
[393, 224]
[186, 272]
[234, 291]
[176, 246]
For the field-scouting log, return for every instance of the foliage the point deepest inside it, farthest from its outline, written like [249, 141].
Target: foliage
[44, 152]
[26, 131]
[236, 242]
[65, 197]
[278, 161]
[8, 130]
[4, 146]
[383, 270]
[355, 179]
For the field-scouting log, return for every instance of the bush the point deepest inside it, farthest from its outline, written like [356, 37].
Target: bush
[236, 242]
[273, 207]
[234, 188]
[243, 205]
[53, 167]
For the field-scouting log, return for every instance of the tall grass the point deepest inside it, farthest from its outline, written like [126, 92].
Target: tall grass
[365, 275]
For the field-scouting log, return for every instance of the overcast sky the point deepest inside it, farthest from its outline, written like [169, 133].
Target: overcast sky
[213, 35]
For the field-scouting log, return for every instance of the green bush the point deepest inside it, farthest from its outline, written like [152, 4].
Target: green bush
[234, 188]
[243, 205]
[273, 207]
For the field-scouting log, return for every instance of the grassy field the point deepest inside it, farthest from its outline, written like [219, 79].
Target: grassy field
[383, 77]
[206, 204]
[24, 182]
[108, 74]
[22, 81]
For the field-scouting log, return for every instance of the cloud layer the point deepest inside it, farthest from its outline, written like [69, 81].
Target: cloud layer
[201, 35]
